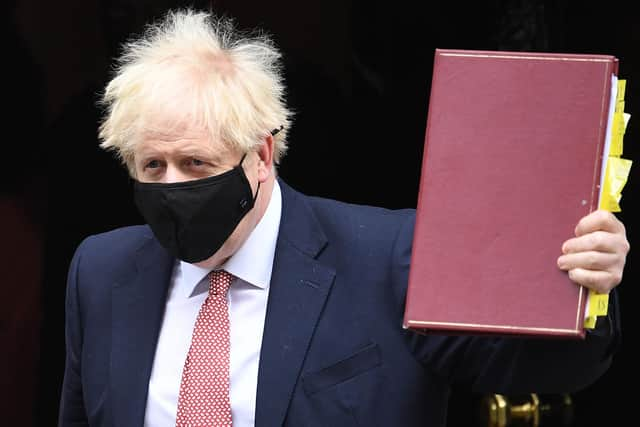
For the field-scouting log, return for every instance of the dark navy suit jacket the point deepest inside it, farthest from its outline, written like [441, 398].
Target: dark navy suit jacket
[334, 352]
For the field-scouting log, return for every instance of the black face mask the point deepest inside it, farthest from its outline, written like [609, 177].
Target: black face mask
[193, 219]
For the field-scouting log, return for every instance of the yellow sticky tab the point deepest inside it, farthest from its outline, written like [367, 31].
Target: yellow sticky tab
[598, 305]
[590, 322]
[601, 304]
[622, 84]
[617, 134]
[616, 175]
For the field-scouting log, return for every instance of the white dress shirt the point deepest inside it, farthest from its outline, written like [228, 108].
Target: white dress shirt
[248, 294]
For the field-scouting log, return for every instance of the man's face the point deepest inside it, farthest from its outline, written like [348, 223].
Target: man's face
[189, 154]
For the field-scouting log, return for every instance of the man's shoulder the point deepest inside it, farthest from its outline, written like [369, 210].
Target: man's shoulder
[360, 210]
[122, 236]
[346, 216]
[342, 207]
[327, 206]
[119, 242]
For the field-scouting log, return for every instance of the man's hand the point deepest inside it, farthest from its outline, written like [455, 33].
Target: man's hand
[595, 258]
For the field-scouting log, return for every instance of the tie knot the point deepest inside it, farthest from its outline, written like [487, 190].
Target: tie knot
[219, 282]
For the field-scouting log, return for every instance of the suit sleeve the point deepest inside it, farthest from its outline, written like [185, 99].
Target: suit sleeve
[72, 410]
[509, 365]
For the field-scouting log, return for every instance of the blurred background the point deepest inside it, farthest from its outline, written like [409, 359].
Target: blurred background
[358, 74]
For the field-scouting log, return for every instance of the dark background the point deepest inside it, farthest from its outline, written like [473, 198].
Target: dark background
[358, 74]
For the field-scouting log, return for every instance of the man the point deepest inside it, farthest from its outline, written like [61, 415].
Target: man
[309, 332]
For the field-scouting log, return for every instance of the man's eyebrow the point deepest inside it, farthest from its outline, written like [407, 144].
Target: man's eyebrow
[201, 154]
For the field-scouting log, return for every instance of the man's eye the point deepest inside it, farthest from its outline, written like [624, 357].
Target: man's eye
[152, 164]
[197, 162]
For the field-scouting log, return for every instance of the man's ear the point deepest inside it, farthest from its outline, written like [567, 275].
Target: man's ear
[265, 158]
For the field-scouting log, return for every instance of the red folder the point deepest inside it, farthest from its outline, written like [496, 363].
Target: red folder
[512, 160]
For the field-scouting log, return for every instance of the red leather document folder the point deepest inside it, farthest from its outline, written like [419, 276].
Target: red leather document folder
[512, 160]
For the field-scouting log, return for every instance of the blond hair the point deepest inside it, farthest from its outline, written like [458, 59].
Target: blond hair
[194, 69]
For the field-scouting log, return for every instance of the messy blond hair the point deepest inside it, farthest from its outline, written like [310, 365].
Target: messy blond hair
[195, 69]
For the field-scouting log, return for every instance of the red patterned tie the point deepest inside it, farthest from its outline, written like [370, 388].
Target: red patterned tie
[204, 390]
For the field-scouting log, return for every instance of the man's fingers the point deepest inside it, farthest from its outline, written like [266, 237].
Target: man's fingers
[590, 260]
[599, 220]
[600, 281]
[595, 258]
[601, 241]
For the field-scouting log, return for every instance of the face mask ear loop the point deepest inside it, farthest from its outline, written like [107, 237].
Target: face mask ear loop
[257, 190]
[255, 197]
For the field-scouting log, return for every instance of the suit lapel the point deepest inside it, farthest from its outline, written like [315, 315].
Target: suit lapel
[298, 291]
[137, 310]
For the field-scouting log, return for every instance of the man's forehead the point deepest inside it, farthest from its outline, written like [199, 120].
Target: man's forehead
[180, 138]
[167, 132]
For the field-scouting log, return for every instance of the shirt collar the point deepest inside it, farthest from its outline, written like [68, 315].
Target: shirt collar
[253, 261]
